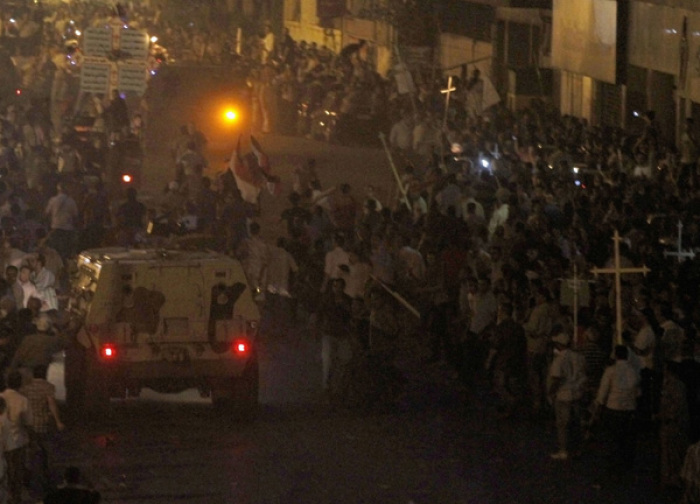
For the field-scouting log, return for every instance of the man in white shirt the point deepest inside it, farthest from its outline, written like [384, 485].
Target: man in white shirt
[567, 378]
[45, 281]
[334, 259]
[63, 214]
[28, 288]
[411, 260]
[500, 214]
[267, 43]
[426, 136]
[468, 197]
[282, 266]
[401, 135]
[355, 275]
[618, 392]
[642, 168]
[256, 260]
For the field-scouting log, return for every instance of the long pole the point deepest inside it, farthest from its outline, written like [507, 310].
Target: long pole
[443, 130]
[575, 335]
[618, 291]
[382, 137]
[397, 296]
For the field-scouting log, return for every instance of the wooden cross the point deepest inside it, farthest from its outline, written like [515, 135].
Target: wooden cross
[618, 271]
[448, 92]
[680, 253]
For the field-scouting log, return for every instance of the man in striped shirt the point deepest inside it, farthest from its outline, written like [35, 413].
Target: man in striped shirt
[42, 402]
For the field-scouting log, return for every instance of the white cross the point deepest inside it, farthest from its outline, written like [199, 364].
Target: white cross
[680, 253]
[618, 271]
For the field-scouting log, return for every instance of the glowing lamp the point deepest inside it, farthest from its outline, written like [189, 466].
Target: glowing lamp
[241, 347]
[109, 351]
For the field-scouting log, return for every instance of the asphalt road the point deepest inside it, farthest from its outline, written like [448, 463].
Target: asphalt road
[441, 443]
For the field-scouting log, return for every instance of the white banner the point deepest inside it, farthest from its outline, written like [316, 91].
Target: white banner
[404, 80]
[94, 77]
[134, 43]
[97, 41]
[491, 96]
[132, 78]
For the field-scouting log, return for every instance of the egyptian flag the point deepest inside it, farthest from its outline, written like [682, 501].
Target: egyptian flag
[263, 161]
[248, 181]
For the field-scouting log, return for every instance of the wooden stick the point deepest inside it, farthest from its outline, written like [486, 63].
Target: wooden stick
[397, 296]
[382, 137]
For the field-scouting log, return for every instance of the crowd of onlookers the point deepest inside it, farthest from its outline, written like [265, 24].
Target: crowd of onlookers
[499, 217]
[495, 215]
[484, 246]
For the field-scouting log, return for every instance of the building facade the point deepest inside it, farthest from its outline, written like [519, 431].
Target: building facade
[306, 21]
[607, 61]
[617, 59]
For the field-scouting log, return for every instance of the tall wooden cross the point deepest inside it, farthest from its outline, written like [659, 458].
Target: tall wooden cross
[680, 253]
[618, 271]
[448, 93]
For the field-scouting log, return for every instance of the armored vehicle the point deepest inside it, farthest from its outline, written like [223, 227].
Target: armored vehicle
[168, 320]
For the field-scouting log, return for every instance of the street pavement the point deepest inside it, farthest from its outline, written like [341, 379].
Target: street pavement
[441, 443]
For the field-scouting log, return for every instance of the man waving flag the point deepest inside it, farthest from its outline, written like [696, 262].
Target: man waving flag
[248, 182]
[263, 161]
[252, 173]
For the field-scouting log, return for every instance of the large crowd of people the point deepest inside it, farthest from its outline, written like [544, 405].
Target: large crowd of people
[488, 245]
